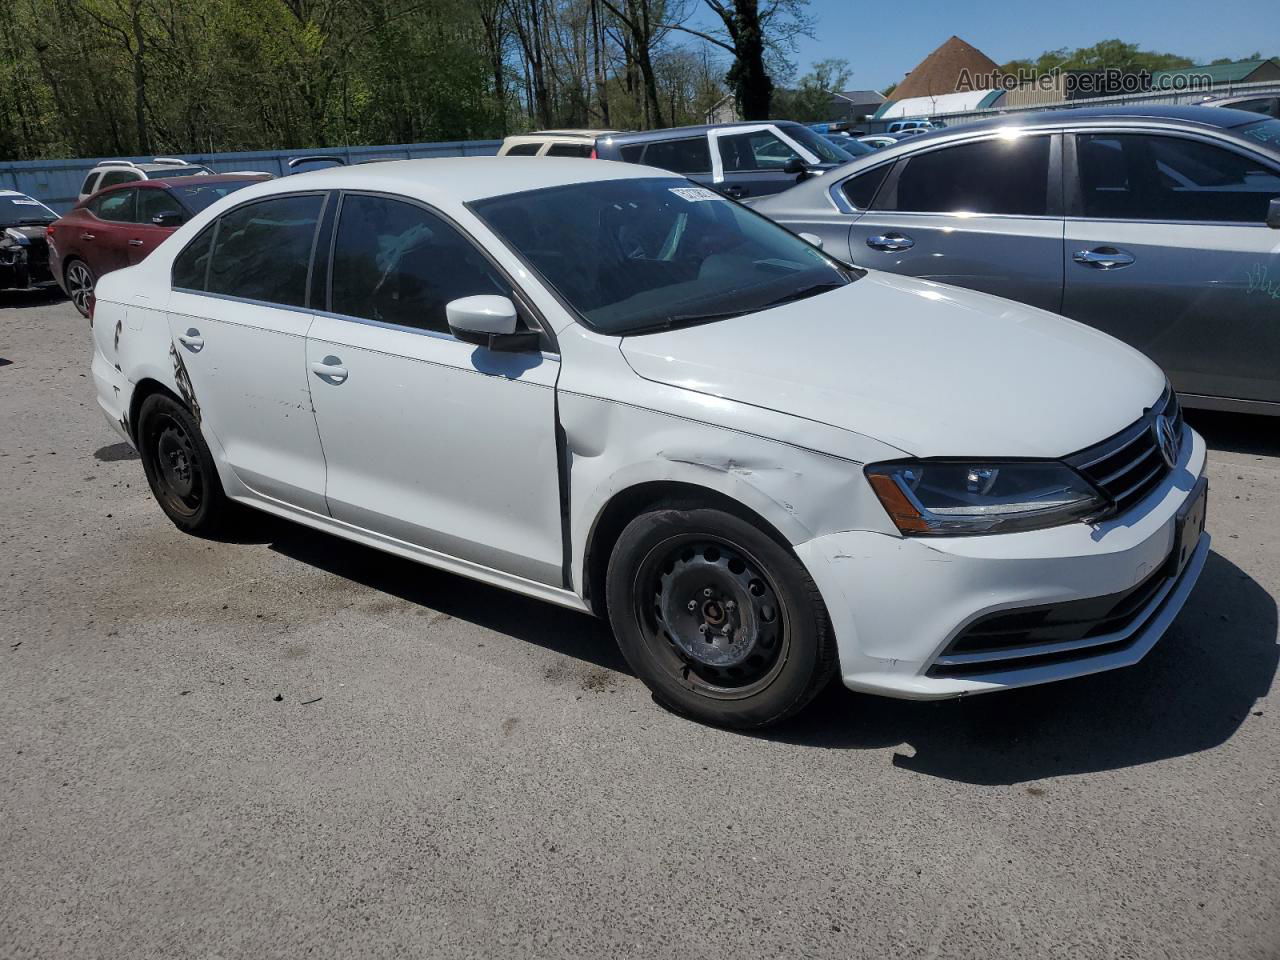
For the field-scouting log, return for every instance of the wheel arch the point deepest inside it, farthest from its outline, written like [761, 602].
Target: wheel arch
[144, 388]
[627, 504]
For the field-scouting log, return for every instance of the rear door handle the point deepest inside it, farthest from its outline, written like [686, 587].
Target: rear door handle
[330, 370]
[192, 340]
[1104, 258]
[86, 236]
[889, 242]
[135, 242]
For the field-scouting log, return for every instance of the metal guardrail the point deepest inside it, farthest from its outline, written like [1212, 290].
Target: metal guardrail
[57, 182]
[1261, 88]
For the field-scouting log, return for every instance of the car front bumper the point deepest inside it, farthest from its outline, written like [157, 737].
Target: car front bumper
[901, 607]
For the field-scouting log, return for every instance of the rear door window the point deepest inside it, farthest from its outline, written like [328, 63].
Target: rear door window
[115, 207]
[569, 150]
[1144, 177]
[690, 155]
[861, 190]
[262, 250]
[395, 262]
[997, 176]
[191, 266]
[112, 177]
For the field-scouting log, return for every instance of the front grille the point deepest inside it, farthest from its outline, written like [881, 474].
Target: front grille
[1128, 466]
[1035, 636]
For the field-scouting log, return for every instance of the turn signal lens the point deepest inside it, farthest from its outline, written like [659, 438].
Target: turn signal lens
[904, 516]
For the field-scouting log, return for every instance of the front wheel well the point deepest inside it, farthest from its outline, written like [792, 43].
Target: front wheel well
[628, 504]
[143, 389]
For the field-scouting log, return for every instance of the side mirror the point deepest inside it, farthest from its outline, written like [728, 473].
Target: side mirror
[795, 166]
[812, 239]
[490, 322]
[171, 219]
[1273, 213]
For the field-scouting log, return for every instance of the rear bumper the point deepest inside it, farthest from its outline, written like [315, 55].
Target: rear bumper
[114, 392]
[898, 603]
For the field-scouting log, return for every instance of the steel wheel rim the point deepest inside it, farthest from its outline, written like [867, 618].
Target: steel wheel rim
[81, 284]
[715, 663]
[178, 477]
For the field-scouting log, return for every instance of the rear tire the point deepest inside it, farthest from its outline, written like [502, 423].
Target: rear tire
[80, 284]
[180, 468]
[719, 620]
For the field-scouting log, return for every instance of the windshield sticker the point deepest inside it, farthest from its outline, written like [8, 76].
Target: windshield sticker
[693, 194]
[25, 202]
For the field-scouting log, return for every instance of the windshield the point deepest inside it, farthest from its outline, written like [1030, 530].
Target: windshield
[638, 255]
[1265, 132]
[196, 196]
[168, 172]
[817, 144]
[16, 208]
[851, 146]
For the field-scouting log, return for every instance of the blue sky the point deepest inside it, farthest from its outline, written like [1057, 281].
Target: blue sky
[882, 41]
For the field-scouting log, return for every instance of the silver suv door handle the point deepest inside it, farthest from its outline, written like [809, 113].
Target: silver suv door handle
[192, 340]
[1104, 258]
[330, 370]
[890, 242]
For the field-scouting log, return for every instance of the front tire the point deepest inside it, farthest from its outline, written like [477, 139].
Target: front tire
[719, 620]
[180, 468]
[80, 283]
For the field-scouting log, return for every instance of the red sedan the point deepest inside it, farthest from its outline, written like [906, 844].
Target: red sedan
[117, 227]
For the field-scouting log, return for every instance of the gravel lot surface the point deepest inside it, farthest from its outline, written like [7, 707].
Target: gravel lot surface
[292, 746]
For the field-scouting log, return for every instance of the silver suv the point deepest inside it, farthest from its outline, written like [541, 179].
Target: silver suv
[110, 172]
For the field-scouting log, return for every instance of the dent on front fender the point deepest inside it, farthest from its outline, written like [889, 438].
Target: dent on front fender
[612, 447]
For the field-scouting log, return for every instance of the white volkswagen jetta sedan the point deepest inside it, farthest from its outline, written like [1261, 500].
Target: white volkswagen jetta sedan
[610, 388]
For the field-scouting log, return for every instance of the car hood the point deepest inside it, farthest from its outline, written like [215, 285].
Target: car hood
[931, 369]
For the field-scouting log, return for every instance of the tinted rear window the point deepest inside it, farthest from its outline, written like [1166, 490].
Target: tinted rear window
[690, 155]
[195, 196]
[997, 176]
[263, 250]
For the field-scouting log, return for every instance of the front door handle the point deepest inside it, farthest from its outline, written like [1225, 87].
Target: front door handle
[1104, 258]
[86, 236]
[890, 242]
[330, 370]
[135, 242]
[737, 191]
[192, 340]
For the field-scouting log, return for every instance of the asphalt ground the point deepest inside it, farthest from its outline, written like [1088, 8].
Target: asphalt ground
[292, 746]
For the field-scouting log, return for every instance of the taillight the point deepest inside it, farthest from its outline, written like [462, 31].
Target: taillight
[593, 154]
[48, 231]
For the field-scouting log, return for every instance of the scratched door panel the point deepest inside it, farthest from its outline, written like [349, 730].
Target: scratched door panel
[1202, 300]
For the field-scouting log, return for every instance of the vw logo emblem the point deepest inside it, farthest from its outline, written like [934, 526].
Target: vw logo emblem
[1166, 440]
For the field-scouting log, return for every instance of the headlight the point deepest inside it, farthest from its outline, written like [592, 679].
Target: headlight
[945, 498]
[16, 236]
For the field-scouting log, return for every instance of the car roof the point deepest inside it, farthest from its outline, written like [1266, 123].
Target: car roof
[665, 133]
[535, 134]
[1217, 117]
[161, 183]
[452, 181]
